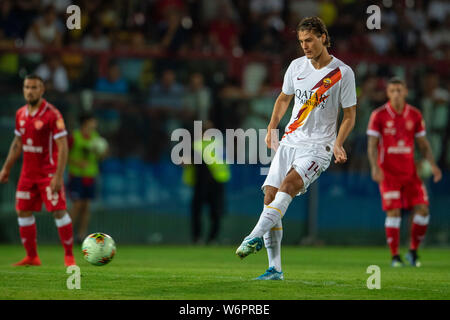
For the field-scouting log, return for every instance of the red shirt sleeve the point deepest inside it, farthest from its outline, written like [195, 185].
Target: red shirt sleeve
[57, 125]
[420, 130]
[374, 127]
[17, 127]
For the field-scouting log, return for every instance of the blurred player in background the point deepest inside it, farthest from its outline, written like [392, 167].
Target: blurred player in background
[321, 84]
[86, 149]
[41, 134]
[208, 180]
[392, 130]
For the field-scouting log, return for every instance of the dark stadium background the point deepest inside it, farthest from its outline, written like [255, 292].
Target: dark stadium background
[240, 49]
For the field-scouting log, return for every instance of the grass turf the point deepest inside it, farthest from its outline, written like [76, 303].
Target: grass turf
[186, 272]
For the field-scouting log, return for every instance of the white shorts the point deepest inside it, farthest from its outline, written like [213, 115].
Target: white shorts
[308, 160]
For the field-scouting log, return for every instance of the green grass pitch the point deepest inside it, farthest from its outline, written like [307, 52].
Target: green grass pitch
[187, 272]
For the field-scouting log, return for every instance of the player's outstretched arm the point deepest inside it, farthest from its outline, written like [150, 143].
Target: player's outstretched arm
[63, 151]
[279, 109]
[347, 124]
[15, 150]
[427, 153]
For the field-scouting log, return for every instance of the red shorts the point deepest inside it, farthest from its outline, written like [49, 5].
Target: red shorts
[402, 194]
[32, 192]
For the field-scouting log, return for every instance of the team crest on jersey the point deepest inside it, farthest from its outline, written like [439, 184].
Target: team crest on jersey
[326, 82]
[390, 124]
[409, 125]
[21, 123]
[38, 124]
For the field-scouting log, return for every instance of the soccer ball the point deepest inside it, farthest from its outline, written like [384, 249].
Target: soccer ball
[99, 145]
[98, 249]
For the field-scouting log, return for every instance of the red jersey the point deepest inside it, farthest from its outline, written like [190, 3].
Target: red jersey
[38, 132]
[397, 133]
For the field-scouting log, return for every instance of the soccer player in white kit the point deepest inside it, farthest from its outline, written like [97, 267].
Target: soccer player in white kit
[320, 84]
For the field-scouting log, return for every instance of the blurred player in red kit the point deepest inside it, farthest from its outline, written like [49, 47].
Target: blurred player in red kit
[41, 134]
[393, 129]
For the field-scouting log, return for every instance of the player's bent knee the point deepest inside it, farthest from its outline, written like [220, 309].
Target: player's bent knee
[393, 213]
[293, 183]
[59, 214]
[292, 188]
[24, 214]
[422, 210]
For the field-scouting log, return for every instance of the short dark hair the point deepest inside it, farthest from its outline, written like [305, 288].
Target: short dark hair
[397, 80]
[34, 77]
[316, 25]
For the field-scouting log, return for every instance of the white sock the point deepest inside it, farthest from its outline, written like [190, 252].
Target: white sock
[272, 214]
[65, 220]
[421, 220]
[272, 241]
[392, 222]
[27, 221]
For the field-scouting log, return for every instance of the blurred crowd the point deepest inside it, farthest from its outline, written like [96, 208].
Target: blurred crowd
[409, 27]
[156, 65]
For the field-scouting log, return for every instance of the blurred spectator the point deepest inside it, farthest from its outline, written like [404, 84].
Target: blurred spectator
[328, 11]
[198, 97]
[197, 43]
[271, 9]
[74, 60]
[59, 5]
[433, 36]
[96, 39]
[358, 41]
[109, 15]
[172, 33]
[167, 93]
[381, 41]
[54, 74]
[417, 15]
[10, 24]
[45, 31]
[305, 8]
[435, 105]
[162, 7]
[261, 7]
[405, 38]
[113, 82]
[223, 31]
[438, 10]
[210, 10]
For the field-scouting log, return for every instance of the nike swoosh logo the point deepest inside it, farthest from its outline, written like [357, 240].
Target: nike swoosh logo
[300, 78]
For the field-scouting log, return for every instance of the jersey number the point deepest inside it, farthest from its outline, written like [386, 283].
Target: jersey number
[52, 197]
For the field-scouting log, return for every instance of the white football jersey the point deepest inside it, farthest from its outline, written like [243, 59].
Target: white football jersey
[318, 96]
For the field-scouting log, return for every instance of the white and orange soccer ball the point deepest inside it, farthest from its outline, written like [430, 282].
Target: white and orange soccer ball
[98, 249]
